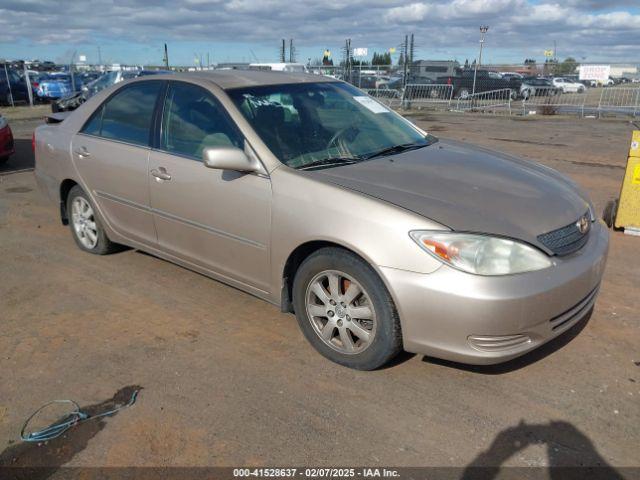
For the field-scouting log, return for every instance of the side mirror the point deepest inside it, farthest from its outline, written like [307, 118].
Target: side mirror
[228, 158]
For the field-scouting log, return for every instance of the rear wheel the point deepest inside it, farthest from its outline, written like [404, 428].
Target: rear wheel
[345, 311]
[85, 225]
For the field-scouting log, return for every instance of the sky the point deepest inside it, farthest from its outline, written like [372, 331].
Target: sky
[134, 31]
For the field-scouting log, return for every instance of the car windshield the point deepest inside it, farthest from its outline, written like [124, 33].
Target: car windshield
[315, 123]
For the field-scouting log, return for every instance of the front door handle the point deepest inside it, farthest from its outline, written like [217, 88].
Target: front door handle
[160, 174]
[82, 152]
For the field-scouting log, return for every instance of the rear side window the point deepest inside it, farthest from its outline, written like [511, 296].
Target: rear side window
[126, 116]
[193, 119]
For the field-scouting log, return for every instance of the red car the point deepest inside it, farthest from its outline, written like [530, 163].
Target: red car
[6, 140]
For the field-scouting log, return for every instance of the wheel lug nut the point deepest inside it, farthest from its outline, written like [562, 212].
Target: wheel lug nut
[339, 323]
[348, 318]
[332, 302]
[343, 304]
[330, 313]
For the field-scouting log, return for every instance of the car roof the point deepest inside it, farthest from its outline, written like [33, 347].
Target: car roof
[229, 79]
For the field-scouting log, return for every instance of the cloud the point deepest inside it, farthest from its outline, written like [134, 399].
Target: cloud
[590, 28]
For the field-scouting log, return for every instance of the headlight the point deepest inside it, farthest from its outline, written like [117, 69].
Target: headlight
[3, 122]
[481, 254]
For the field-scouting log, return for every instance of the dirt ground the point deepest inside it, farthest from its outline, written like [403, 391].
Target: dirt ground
[229, 380]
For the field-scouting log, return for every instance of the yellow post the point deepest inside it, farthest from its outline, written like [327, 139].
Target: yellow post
[628, 215]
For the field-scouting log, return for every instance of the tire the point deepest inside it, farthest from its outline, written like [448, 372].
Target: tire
[383, 337]
[609, 213]
[102, 245]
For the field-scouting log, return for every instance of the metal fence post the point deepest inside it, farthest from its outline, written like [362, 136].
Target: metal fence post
[6, 73]
[28, 82]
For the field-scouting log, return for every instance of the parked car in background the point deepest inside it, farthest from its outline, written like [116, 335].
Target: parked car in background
[7, 147]
[58, 85]
[12, 84]
[510, 75]
[485, 81]
[567, 85]
[537, 87]
[71, 102]
[309, 194]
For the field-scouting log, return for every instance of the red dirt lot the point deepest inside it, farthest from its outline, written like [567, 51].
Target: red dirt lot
[228, 380]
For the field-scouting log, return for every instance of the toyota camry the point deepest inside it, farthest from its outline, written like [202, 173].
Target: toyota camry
[305, 192]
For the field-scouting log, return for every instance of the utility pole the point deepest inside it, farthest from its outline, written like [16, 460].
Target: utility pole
[166, 57]
[292, 55]
[347, 60]
[483, 31]
[411, 52]
[405, 55]
[99, 56]
[283, 52]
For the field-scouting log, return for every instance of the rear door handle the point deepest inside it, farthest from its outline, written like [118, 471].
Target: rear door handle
[82, 152]
[161, 174]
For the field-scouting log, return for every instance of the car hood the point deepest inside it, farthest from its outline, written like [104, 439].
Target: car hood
[468, 189]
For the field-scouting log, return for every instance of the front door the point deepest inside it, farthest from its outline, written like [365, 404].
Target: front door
[111, 153]
[216, 219]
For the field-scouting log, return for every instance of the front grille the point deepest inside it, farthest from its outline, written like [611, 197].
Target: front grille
[567, 239]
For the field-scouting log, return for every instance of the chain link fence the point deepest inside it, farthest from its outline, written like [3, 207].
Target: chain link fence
[525, 89]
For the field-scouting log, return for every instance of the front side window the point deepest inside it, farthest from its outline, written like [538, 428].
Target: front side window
[194, 120]
[305, 123]
[126, 116]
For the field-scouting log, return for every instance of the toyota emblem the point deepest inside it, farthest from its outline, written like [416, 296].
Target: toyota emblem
[583, 224]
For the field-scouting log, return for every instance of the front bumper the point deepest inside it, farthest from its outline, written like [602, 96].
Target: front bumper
[485, 320]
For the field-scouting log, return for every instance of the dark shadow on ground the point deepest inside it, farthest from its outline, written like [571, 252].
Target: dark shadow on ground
[34, 461]
[22, 159]
[570, 455]
[525, 360]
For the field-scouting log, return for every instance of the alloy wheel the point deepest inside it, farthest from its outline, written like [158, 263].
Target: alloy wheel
[341, 312]
[84, 223]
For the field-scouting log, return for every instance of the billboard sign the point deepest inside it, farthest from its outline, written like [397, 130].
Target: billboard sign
[599, 73]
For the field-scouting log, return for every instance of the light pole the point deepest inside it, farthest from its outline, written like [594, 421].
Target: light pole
[483, 30]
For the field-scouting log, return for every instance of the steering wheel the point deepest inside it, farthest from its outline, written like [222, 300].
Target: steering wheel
[337, 140]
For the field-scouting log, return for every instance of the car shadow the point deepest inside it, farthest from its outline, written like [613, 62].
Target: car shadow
[570, 454]
[23, 159]
[527, 359]
[39, 461]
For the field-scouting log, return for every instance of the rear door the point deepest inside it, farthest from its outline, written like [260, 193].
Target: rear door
[111, 154]
[216, 219]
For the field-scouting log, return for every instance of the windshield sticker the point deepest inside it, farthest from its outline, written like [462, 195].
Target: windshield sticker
[371, 104]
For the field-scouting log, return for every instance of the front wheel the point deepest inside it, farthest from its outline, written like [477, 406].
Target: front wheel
[345, 311]
[464, 94]
[86, 228]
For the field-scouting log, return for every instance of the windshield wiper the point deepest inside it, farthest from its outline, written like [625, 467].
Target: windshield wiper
[396, 149]
[329, 162]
